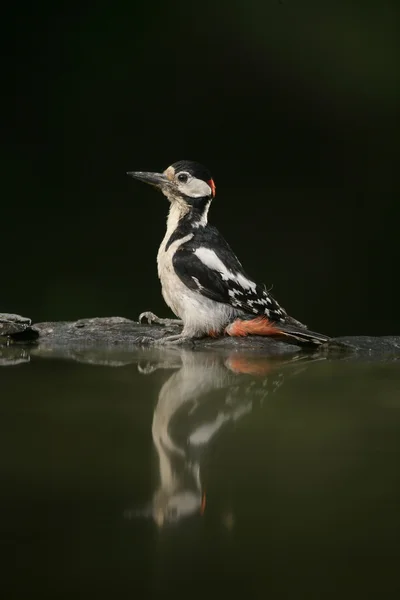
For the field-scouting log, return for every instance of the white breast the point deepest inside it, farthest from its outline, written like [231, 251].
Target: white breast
[173, 289]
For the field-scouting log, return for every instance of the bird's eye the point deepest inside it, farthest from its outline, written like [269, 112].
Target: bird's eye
[183, 177]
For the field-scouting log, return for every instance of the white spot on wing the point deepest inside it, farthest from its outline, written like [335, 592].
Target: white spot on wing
[234, 292]
[197, 282]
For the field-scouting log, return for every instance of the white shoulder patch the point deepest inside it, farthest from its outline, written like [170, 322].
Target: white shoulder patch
[209, 258]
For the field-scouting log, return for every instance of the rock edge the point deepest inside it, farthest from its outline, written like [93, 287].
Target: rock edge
[126, 334]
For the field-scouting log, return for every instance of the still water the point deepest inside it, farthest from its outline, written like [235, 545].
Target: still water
[199, 475]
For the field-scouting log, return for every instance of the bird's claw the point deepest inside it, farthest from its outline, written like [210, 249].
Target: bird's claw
[149, 317]
[152, 318]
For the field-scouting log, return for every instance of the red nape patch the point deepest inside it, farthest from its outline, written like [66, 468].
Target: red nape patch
[212, 186]
[257, 326]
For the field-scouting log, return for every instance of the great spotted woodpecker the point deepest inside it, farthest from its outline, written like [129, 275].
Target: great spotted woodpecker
[202, 280]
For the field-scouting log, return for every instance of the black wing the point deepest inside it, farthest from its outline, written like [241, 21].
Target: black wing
[228, 284]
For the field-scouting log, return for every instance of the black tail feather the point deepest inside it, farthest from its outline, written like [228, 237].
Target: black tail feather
[303, 336]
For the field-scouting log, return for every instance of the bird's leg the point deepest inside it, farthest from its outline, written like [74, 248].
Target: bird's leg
[152, 318]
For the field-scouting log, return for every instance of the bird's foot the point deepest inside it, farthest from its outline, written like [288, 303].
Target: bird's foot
[174, 340]
[152, 318]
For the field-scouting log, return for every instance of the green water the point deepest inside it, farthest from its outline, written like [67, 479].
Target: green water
[200, 475]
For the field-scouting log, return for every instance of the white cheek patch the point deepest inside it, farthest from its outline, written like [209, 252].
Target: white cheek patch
[211, 260]
[195, 188]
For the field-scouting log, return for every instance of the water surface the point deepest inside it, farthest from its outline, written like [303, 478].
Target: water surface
[200, 475]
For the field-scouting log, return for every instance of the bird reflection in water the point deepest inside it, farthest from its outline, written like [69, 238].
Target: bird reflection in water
[205, 394]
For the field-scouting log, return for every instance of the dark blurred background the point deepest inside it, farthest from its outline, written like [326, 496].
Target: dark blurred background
[292, 106]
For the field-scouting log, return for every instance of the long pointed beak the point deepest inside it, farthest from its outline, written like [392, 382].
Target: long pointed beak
[157, 179]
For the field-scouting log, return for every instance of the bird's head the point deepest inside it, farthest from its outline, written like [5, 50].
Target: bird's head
[185, 182]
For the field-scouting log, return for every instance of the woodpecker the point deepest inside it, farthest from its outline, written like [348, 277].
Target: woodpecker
[202, 280]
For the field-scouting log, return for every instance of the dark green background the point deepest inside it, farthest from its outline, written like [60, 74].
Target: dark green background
[291, 105]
